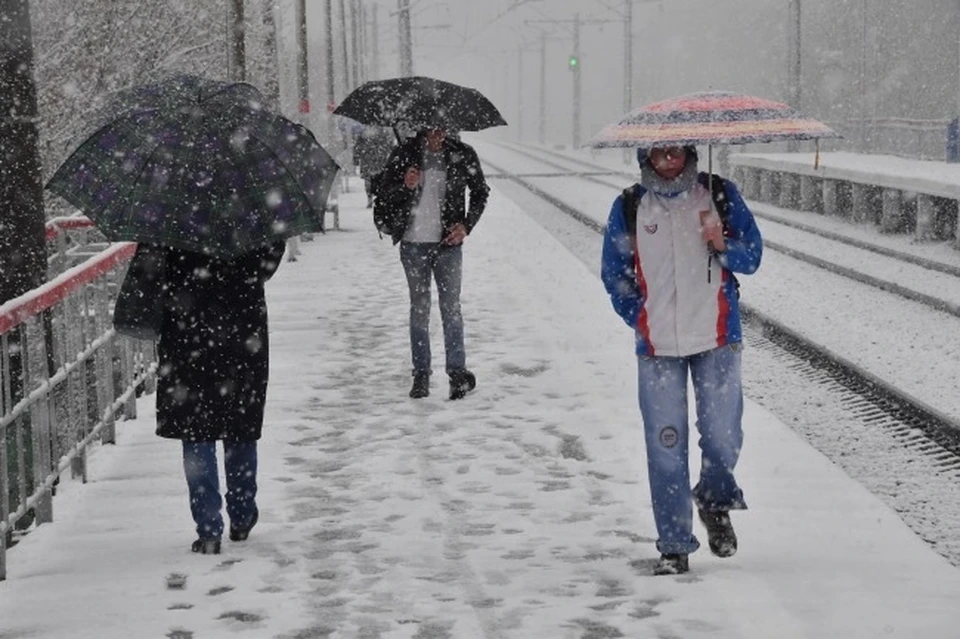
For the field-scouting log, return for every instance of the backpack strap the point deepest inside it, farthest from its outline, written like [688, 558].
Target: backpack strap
[631, 202]
[717, 186]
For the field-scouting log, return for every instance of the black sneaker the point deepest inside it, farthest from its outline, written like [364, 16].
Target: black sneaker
[461, 383]
[722, 538]
[241, 534]
[421, 385]
[206, 546]
[672, 564]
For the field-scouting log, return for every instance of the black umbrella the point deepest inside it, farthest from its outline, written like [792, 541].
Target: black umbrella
[420, 103]
[199, 165]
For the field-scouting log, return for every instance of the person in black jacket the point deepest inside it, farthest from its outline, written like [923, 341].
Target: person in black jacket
[212, 375]
[421, 205]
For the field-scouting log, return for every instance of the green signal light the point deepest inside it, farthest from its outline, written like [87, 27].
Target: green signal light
[573, 62]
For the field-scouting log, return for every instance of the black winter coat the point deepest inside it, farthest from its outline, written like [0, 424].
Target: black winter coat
[213, 347]
[395, 201]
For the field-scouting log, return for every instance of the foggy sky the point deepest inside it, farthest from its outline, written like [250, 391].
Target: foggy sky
[863, 60]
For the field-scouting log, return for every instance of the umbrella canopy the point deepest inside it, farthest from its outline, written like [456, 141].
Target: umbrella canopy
[199, 165]
[421, 103]
[715, 117]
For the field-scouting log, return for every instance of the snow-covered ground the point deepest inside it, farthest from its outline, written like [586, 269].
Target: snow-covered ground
[521, 511]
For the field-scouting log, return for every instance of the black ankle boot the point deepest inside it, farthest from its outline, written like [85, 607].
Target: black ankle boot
[206, 546]
[241, 534]
[421, 385]
[720, 535]
[672, 564]
[461, 383]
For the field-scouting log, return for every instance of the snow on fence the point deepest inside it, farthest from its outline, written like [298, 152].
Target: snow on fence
[65, 378]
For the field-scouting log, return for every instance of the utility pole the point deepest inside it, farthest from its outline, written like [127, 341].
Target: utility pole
[543, 88]
[271, 66]
[236, 51]
[628, 56]
[364, 53]
[520, 93]
[375, 41]
[406, 41]
[346, 54]
[577, 85]
[355, 42]
[864, 129]
[23, 251]
[575, 62]
[794, 62]
[303, 86]
[331, 79]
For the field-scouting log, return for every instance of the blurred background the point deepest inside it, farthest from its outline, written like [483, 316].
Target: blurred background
[886, 73]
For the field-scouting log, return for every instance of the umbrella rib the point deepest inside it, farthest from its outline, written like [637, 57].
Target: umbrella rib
[280, 161]
[100, 131]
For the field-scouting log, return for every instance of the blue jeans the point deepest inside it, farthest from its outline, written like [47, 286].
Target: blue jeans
[421, 263]
[663, 406]
[203, 483]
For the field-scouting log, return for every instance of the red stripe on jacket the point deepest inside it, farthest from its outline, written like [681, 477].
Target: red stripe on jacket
[643, 325]
[723, 309]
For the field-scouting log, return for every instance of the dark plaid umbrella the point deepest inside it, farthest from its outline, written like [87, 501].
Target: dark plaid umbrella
[199, 165]
[420, 103]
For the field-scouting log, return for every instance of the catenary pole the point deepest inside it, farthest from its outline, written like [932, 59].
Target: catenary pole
[406, 40]
[577, 84]
[794, 61]
[303, 86]
[575, 67]
[347, 84]
[628, 56]
[543, 89]
[355, 42]
[271, 67]
[236, 51]
[520, 93]
[375, 42]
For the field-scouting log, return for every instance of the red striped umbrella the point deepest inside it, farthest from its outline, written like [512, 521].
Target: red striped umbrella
[714, 117]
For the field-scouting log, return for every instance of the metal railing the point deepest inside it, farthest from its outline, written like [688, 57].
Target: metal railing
[65, 376]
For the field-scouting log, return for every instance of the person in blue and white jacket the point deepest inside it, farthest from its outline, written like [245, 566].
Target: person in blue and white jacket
[670, 277]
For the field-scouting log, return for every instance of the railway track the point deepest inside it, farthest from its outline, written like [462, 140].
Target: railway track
[617, 180]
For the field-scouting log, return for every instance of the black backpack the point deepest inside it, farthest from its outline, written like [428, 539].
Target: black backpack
[631, 202]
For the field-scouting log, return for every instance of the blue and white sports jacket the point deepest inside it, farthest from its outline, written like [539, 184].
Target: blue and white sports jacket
[679, 297]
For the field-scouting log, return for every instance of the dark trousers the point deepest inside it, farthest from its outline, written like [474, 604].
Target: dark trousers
[423, 263]
[203, 484]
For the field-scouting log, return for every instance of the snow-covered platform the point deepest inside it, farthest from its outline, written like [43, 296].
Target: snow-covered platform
[521, 511]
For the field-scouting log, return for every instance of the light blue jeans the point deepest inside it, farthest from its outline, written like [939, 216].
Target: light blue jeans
[423, 262]
[203, 483]
[663, 406]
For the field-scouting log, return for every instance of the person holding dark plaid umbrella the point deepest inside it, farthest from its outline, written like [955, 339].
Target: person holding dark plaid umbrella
[421, 203]
[210, 183]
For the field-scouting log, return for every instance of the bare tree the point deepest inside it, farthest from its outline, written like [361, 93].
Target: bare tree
[88, 49]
